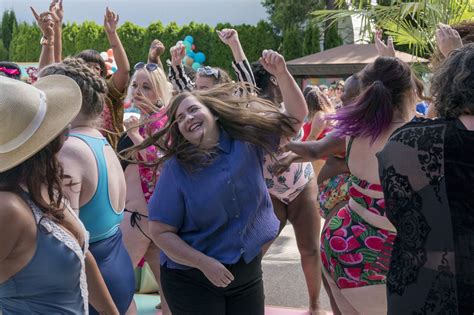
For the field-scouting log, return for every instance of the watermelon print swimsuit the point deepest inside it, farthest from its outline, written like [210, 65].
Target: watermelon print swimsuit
[355, 252]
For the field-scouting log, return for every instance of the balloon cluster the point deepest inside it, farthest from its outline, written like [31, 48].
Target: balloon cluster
[193, 59]
[109, 59]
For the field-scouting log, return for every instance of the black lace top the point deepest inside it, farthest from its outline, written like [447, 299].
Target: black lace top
[427, 174]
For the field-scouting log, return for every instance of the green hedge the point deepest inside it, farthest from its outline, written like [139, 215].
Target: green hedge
[25, 46]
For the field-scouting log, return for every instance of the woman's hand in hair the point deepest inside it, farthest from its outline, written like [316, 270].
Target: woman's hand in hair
[45, 22]
[178, 52]
[387, 50]
[448, 39]
[273, 62]
[111, 20]
[216, 272]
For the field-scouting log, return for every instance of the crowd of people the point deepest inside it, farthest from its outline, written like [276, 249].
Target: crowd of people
[202, 181]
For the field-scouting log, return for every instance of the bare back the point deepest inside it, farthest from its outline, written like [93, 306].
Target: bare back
[80, 163]
[362, 157]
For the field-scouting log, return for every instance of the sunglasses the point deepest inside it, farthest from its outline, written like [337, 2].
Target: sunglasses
[149, 66]
[208, 71]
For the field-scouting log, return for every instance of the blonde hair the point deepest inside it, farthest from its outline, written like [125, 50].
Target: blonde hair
[159, 82]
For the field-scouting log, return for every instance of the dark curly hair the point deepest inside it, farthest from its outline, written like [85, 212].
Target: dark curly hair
[453, 84]
[93, 87]
[42, 169]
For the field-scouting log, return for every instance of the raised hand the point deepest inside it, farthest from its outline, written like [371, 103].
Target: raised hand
[387, 50]
[45, 22]
[228, 36]
[57, 11]
[216, 273]
[447, 38]
[111, 20]
[273, 62]
[178, 52]
[156, 49]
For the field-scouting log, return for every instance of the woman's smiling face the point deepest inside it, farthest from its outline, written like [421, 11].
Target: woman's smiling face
[196, 123]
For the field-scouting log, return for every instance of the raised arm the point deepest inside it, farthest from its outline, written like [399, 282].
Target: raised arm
[121, 76]
[309, 151]
[45, 22]
[57, 11]
[176, 74]
[155, 52]
[293, 99]
[240, 64]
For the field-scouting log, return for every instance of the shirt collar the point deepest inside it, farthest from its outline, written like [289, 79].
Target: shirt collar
[225, 141]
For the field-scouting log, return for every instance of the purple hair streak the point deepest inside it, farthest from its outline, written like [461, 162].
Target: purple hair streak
[384, 83]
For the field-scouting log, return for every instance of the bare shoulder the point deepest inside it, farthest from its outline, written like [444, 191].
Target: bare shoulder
[76, 152]
[13, 210]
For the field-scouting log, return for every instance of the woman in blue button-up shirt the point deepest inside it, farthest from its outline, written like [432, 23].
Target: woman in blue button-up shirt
[211, 212]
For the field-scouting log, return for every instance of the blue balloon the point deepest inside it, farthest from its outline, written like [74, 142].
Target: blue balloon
[196, 65]
[190, 54]
[188, 46]
[189, 39]
[200, 57]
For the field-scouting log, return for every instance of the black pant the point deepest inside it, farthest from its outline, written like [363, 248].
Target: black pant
[190, 292]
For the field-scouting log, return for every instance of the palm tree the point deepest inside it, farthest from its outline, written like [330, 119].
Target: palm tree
[412, 23]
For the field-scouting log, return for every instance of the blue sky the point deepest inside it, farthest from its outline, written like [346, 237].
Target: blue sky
[143, 12]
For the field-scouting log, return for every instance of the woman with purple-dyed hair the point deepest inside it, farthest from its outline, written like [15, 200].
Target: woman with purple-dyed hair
[357, 241]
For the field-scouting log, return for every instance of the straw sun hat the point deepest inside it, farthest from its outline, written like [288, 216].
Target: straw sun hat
[33, 116]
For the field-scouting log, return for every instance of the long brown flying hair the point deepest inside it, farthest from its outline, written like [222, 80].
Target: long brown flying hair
[244, 117]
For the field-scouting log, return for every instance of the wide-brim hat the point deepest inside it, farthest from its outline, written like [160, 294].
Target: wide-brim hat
[32, 116]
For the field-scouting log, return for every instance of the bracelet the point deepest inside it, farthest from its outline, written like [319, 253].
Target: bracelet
[46, 42]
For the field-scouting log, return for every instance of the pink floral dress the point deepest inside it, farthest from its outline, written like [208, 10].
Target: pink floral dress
[148, 176]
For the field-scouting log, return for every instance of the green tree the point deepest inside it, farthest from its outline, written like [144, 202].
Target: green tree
[284, 14]
[410, 23]
[132, 37]
[312, 38]
[25, 44]
[292, 44]
[9, 24]
[331, 37]
[3, 52]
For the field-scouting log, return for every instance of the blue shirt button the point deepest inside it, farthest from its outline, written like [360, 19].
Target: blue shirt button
[237, 215]
[228, 182]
